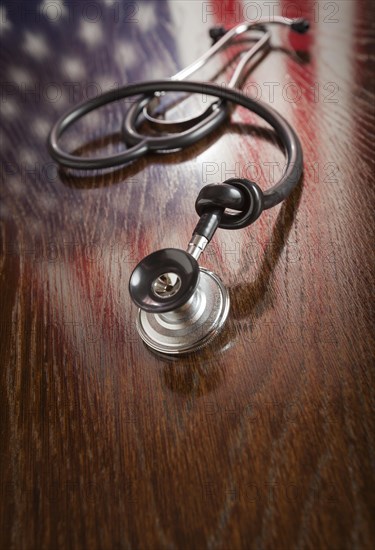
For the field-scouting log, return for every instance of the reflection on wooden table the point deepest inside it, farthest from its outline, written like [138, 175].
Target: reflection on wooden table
[263, 439]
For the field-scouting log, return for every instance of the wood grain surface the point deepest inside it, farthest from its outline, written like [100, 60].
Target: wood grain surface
[265, 439]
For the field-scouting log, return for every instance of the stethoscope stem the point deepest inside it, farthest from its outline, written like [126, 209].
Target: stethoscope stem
[225, 38]
[229, 35]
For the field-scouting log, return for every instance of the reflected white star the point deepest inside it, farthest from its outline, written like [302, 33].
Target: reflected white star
[106, 82]
[41, 127]
[73, 67]
[125, 55]
[8, 108]
[90, 33]
[75, 142]
[48, 203]
[53, 10]
[15, 185]
[5, 24]
[4, 211]
[20, 76]
[146, 16]
[27, 157]
[35, 45]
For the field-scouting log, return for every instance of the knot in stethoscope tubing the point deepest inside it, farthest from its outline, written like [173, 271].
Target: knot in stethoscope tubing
[235, 194]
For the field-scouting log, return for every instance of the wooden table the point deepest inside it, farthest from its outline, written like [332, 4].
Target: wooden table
[265, 440]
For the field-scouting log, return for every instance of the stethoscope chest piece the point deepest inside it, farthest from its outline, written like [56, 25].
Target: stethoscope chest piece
[182, 306]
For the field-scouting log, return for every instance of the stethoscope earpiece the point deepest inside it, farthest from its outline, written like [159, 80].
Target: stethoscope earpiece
[182, 306]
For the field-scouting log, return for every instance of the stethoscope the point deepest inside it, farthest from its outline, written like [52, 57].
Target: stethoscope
[183, 306]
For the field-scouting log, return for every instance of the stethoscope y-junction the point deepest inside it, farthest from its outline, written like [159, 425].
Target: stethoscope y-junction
[183, 306]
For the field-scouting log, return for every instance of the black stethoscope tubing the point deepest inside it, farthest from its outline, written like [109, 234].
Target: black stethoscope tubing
[283, 129]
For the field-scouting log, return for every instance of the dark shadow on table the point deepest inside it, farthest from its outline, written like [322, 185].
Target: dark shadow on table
[246, 296]
[115, 176]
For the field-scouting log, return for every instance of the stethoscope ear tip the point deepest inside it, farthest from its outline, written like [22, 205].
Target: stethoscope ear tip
[216, 33]
[300, 25]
